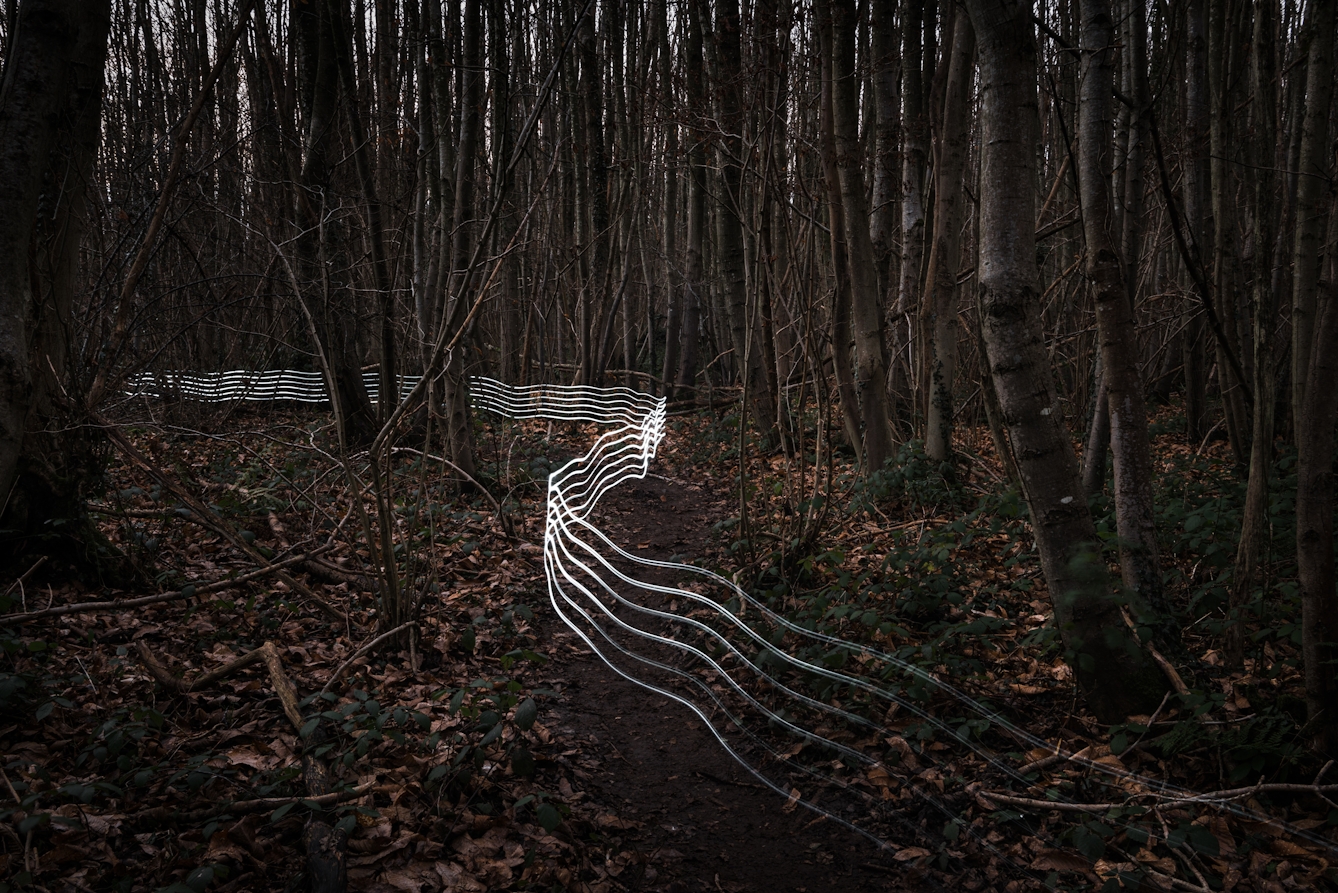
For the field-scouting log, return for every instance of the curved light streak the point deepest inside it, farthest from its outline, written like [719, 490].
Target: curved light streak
[712, 652]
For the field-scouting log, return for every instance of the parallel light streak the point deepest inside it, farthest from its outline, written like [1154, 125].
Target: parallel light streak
[727, 656]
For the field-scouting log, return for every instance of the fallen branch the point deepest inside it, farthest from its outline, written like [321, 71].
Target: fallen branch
[26, 574]
[263, 804]
[165, 678]
[1175, 803]
[190, 590]
[1031, 803]
[334, 677]
[333, 573]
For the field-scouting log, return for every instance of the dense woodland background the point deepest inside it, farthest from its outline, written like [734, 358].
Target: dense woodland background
[852, 225]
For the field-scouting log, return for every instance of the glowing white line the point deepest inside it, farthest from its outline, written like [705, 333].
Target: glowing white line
[578, 566]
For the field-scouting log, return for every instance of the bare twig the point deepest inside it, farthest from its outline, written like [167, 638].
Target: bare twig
[208, 516]
[26, 574]
[334, 677]
[121, 327]
[1032, 803]
[167, 680]
[238, 807]
[189, 591]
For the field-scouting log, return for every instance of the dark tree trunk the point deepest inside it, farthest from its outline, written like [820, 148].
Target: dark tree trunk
[1314, 528]
[324, 267]
[866, 314]
[50, 105]
[694, 273]
[941, 297]
[1198, 211]
[1251, 548]
[744, 321]
[842, 340]
[1311, 201]
[1140, 562]
[1115, 673]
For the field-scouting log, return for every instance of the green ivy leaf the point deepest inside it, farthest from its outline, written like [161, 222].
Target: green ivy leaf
[549, 817]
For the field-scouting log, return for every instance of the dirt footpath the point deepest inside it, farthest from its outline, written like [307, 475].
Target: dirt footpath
[684, 814]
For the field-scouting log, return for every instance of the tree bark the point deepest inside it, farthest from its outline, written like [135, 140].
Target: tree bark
[1251, 547]
[842, 340]
[673, 320]
[914, 151]
[50, 106]
[320, 245]
[1115, 673]
[1140, 560]
[694, 274]
[866, 313]
[455, 388]
[1314, 527]
[1223, 64]
[886, 181]
[743, 317]
[941, 296]
[1198, 210]
[1311, 201]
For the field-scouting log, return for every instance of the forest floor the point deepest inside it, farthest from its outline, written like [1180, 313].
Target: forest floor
[153, 749]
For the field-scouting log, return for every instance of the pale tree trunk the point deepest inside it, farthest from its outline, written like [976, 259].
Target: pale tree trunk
[1198, 211]
[1251, 547]
[50, 106]
[1311, 203]
[694, 284]
[1314, 527]
[673, 319]
[886, 182]
[866, 314]
[455, 393]
[842, 341]
[1140, 562]
[743, 322]
[1115, 673]
[1223, 60]
[914, 150]
[941, 298]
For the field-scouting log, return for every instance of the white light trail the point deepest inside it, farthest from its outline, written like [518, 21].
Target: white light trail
[745, 670]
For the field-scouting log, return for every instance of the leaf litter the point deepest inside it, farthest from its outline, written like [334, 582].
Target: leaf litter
[497, 753]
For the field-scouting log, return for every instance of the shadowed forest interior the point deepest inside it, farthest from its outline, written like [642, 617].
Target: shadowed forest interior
[993, 345]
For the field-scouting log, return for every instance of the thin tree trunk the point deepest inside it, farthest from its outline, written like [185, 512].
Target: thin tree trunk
[1115, 673]
[1140, 560]
[1314, 528]
[886, 180]
[1223, 62]
[1252, 545]
[455, 397]
[694, 284]
[1096, 452]
[743, 321]
[673, 319]
[1310, 198]
[941, 296]
[842, 340]
[866, 313]
[914, 150]
[1198, 210]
